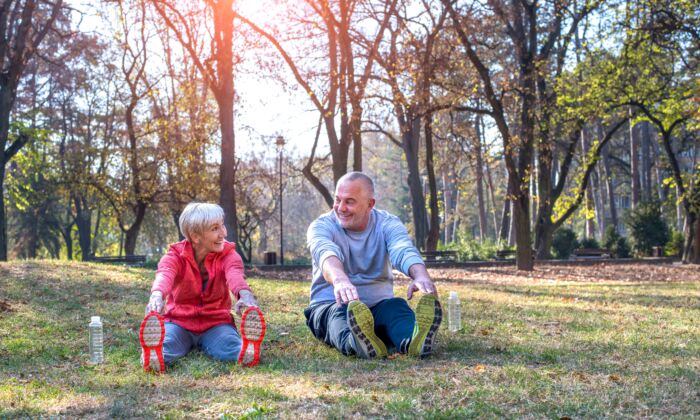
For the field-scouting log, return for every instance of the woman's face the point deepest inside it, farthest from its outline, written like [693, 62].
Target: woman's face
[211, 239]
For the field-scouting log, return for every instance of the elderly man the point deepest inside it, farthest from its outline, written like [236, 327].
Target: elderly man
[352, 306]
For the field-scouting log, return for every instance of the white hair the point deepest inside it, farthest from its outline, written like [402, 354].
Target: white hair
[196, 217]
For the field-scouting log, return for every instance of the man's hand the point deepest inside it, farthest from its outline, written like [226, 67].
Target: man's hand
[245, 298]
[155, 302]
[421, 281]
[344, 291]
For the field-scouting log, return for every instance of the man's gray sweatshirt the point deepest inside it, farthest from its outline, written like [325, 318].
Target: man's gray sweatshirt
[367, 256]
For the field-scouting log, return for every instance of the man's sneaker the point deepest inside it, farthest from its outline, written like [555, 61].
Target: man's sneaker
[252, 332]
[428, 318]
[361, 323]
[151, 335]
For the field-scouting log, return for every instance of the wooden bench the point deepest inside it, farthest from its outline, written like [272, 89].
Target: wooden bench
[590, 253]
[505, 254]
[137, 260]
[440, 256]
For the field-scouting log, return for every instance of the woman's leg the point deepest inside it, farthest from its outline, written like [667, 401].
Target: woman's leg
[221, 342]
[177, 342]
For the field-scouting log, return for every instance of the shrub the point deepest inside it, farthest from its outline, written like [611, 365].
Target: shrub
[674, 246]
[472, 250]
[589, 243]
[563, 243]
[616, 244]
[647, 228]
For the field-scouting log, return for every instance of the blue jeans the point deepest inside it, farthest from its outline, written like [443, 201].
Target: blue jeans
[222, 342]
[393, 323]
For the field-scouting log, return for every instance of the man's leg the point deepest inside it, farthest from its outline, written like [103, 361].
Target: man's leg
[221, 342]
[176, 343]
[329, 323]
[394, 321]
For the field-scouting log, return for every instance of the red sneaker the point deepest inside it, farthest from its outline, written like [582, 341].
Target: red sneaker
[252, 332]
[151, 336]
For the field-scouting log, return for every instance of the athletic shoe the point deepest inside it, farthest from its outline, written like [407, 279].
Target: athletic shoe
[151, 336]
[252, 332]
[428, 318]
[361, 323]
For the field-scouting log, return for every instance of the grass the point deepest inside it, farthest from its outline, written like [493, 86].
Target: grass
[529, 347]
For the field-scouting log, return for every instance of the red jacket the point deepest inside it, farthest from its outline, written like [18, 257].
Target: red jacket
[179, 280]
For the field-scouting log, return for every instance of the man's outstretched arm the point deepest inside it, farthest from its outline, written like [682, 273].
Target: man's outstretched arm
[334, 274]
[421, 281]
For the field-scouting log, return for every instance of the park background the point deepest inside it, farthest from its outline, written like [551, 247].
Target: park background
[524, 126]
[487, 125]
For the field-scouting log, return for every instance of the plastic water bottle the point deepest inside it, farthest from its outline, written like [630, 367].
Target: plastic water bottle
[454, 316]
[96, 340]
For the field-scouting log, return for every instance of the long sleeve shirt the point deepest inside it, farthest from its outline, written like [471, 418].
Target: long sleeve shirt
[191, 303]
[367, 256]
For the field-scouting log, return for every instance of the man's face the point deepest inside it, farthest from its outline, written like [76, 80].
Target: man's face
[353, 205]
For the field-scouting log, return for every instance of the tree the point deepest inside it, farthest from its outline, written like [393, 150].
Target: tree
[337, 93]
[217, 69]
[24, 25]
[538, 42]
[410, 63]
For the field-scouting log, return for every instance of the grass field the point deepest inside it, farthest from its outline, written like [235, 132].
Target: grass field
[564, 342]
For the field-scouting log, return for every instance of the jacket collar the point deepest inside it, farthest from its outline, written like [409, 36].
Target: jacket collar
[184, 248]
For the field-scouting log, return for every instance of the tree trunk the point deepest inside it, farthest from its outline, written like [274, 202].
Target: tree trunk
[133, 232]
[448, 206]
[434, 227]
[3, 218]
[479, 172]
[589, 201]
[523, 255]
[83, 222]
[610, 188]
[645, 170]
[492, 197]
[634, 164]
[411, 141]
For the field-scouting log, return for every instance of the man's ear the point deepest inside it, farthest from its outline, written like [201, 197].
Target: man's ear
[372, 202]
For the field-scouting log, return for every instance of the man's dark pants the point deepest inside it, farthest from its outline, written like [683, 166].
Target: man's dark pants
[393, 324]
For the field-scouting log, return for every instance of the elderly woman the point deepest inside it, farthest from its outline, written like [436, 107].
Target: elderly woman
[195, 277]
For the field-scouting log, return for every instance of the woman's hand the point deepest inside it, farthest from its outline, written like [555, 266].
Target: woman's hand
[245, 298]
[155, 303]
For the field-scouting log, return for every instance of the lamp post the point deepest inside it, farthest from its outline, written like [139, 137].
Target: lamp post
[280, 148]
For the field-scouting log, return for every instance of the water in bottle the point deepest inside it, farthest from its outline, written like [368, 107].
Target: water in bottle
[96, 340]
[454, 313]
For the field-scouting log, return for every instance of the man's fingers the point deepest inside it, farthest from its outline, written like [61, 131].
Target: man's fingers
[411, 289]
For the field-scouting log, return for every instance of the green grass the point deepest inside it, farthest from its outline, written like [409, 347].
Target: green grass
[533, 348]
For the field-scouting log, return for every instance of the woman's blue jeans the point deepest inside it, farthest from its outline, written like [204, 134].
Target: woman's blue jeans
[221, 342]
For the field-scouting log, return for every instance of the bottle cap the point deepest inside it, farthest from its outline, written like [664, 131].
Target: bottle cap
[453, 294]
[95, 319]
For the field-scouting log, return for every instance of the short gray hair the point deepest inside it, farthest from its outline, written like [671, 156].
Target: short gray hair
[196, 217]
[354, 176]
